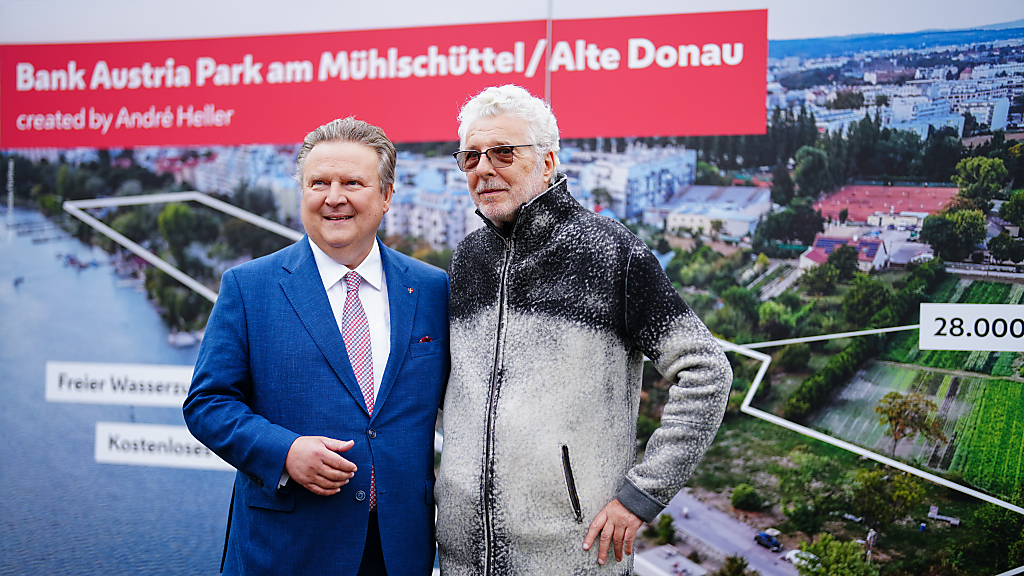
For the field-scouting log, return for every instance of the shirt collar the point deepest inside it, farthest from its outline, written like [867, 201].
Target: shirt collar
[371, 268]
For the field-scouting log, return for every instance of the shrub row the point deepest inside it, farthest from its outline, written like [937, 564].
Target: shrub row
[817, 390]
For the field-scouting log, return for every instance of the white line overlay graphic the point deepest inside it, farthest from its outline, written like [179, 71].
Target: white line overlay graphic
[77, 209]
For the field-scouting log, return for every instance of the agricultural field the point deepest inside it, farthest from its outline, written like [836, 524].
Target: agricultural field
[903, 348]
[982, 418]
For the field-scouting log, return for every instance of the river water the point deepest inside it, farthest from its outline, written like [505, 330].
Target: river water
[64, 513]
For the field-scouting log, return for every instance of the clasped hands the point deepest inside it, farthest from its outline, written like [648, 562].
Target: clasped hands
[314, 462]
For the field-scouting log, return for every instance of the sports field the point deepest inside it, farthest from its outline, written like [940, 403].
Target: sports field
[863, 201]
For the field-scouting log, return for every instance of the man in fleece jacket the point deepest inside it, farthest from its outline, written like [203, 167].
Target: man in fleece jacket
[552, 310]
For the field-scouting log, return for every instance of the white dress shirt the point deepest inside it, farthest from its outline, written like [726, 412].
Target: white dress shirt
[373, 294]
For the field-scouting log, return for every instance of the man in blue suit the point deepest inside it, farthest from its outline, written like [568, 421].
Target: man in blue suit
[320, 376]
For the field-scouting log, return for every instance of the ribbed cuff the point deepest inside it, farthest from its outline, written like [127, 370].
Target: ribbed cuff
[639, 502]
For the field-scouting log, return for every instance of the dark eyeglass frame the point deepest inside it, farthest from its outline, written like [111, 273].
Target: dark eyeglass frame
[470, 159]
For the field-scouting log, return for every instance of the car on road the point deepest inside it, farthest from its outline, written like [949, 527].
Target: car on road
[768, 541]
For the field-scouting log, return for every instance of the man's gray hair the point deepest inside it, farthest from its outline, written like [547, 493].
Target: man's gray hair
[352, 130]
[514, 101]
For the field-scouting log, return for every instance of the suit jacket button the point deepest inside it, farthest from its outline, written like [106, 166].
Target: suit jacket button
[360, 496]
[372, 433]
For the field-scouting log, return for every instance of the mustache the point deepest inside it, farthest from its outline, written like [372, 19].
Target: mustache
[482, 187]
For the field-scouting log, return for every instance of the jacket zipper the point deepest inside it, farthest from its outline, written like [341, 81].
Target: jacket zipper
[492, 393]
[570, 484]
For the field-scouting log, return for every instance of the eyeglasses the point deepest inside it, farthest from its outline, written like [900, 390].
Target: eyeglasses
[499, 156]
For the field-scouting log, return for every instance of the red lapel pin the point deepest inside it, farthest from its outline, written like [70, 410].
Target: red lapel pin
[410, 290]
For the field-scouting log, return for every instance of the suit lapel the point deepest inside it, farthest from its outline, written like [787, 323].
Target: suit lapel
[304, 290]
[402, 298]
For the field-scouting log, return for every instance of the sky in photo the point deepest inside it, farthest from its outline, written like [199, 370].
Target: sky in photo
[62, 21]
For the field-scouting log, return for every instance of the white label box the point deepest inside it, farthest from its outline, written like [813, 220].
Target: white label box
[984, 327]
[123, 384]
[153, 445]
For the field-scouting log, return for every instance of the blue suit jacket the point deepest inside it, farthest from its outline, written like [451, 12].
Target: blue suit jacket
[273, 367]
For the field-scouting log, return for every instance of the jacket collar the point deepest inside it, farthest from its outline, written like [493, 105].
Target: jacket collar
[538, 218]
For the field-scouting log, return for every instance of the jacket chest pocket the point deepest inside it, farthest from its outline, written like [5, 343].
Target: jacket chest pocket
[570, 485]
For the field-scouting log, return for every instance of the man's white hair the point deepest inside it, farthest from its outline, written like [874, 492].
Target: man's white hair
[514, 101]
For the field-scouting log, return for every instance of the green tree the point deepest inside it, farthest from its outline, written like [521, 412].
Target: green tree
[845, 259]
[866, 297]
[709, 175]
[906, 416]
[745, 497]
[1013, 209]
[730, 324]
[645, 427]
[979, 180]
[743, 301]
[716, 227]
[883, 496]
[971, 125]
[862, 140]
[835, 558]
[666, 529]
[136, 223]
[811, 489]
[177, 223]
[799, 222]
[954, 236]
[245, 238]
[65, 182]
[846, 100]
[775, 319]
[996, 536]
[762, 262]
[735, 565]
[602, 197]
[1004, 248]
[806, 223]
[821, 279]
[783, 189]
[942, 151]
[811, 174]
[898, 152]
[794, 357]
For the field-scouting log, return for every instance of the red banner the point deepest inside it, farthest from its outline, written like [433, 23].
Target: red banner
[669, 75]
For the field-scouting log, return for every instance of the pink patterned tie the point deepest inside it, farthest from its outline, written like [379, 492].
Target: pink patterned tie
[355, 330]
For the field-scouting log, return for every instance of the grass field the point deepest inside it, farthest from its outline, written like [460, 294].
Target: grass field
[982, 418]
[903, 348]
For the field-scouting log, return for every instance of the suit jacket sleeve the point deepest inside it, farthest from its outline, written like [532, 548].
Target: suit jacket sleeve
[666, 330]
[217, 409]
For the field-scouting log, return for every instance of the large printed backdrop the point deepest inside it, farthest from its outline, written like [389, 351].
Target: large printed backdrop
[633, 76]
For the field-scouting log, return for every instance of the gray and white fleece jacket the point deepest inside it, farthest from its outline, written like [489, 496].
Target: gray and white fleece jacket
[550, 324]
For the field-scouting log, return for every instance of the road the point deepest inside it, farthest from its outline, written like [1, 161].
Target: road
[723, 532]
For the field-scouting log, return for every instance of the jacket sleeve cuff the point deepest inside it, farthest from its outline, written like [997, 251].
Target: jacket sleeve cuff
[639, 502]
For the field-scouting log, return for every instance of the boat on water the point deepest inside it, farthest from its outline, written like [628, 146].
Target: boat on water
[181, 339]
[73, 261]
[184, 339]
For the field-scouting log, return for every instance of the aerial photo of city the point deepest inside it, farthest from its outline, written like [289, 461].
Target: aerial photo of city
[890, 174]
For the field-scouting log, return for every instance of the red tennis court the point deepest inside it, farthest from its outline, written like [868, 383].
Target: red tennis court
[863, 201]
